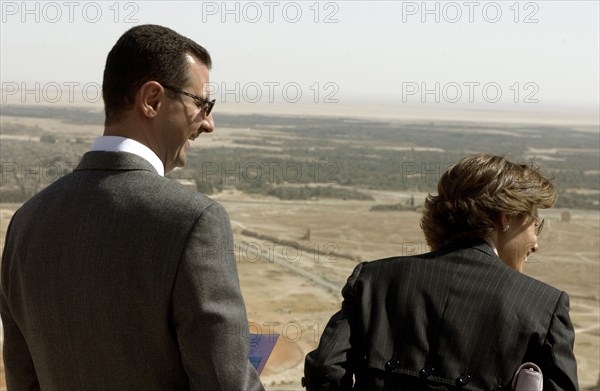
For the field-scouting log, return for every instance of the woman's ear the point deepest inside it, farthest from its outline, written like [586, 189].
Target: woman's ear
[502, 222]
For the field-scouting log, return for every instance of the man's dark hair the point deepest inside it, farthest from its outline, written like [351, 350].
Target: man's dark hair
[145, 53]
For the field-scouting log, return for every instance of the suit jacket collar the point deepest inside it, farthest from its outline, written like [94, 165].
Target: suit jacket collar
[483, 246]
[479, 244]
[106, 160]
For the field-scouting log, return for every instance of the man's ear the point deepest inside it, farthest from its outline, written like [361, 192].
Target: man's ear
[149, 98]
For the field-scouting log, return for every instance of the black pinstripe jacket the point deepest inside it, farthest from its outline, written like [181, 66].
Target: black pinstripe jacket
[458, 318]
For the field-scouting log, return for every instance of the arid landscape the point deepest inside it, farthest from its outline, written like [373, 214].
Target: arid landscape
[295, 247]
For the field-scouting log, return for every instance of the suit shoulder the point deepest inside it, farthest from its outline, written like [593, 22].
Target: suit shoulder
[388, 267]
[54, 189]
[178, 196]
[531, 284]
[397, 261]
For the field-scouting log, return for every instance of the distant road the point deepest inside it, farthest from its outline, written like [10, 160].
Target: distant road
[281, 261]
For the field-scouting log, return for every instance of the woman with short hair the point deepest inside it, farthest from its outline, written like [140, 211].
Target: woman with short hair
[462, 316]
[485, 196]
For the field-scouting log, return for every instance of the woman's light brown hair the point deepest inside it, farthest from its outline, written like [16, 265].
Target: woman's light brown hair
[472, 192]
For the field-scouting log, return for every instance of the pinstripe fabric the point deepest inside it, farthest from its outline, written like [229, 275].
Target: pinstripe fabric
[115, 278]
[454, 319]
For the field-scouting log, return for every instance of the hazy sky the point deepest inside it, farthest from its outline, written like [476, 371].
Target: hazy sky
[498, 56]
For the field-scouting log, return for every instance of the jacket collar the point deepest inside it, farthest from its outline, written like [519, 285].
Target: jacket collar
[121, 161]
[479, 244]
[484, 246]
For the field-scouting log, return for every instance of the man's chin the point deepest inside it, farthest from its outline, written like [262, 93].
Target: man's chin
[180, 162]
[181, 157]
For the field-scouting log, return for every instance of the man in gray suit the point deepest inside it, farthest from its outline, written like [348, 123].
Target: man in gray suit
[114, 277]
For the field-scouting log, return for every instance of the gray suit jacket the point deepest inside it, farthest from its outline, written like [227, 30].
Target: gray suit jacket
[115, 278]
[456, 319]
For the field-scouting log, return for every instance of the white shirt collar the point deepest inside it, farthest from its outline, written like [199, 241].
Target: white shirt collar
[122, 144]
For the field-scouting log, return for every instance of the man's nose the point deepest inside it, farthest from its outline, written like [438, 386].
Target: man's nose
[208, 124]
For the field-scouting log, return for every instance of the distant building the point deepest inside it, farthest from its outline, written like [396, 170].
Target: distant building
[565, 216]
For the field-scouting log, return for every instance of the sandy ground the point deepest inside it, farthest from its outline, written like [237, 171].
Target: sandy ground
[292, 291]
[569, 259]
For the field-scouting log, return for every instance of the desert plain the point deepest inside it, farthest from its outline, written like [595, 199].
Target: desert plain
[294, 256]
